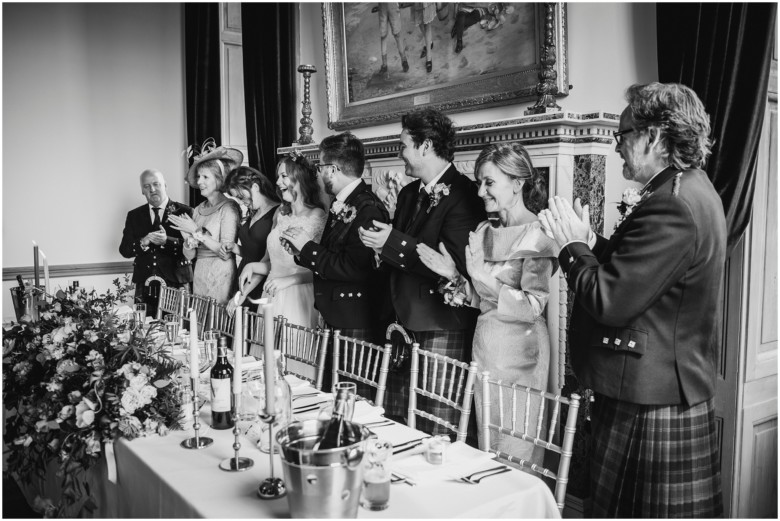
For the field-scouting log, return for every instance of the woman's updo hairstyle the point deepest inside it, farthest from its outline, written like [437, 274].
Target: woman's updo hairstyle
[242, 178]
[513, 160]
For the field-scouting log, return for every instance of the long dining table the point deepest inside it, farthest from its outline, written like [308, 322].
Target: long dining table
[156, 478]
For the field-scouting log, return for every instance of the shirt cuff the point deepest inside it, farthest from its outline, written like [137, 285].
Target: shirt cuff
[591, 242]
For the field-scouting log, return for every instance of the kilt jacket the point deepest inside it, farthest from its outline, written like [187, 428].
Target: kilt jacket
[166, 261]
[413, 287]
[347, 291]
[645, 325]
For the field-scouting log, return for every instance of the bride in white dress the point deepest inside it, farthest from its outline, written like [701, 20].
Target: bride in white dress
[288, 285]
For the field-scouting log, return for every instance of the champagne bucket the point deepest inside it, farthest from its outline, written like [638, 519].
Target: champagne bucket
[321, 483]
[24, 304]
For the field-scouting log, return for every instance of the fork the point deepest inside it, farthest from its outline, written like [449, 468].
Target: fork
[487, 473]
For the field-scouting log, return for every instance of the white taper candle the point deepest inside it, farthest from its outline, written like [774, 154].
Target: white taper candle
[268, 357]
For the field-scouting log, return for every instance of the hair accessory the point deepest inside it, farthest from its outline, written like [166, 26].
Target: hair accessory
[227, 158]
[296, 156]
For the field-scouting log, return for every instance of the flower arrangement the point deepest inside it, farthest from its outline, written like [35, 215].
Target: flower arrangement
[631, 197]
[77, 379]
[343, 212]
[438, 191]
[454, 291]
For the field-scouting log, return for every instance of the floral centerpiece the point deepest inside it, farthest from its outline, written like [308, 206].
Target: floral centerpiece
[77, 379]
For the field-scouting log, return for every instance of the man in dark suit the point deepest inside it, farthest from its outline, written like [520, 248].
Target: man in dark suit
[346, 288]
[156, 246]
[347, 291]
[441, 206]
[644, 328]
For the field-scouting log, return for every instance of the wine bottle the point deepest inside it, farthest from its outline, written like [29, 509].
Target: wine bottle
[221, 378]
[336, 433]
[20, 281]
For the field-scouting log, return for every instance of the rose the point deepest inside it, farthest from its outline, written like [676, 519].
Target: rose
[123, 337]
[66, 412]
[131, 400]
[93, 444]
[68, 365]
[91, 336]
[631, 196]
[74, 397]
[337, 207]
[130, 426]
[85, 413]
[148, 392]
[138, 382]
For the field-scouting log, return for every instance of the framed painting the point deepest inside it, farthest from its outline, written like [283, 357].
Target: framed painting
[383, 60]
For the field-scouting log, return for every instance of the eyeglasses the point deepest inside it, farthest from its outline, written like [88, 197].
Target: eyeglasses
[619, 135]
[322, 166]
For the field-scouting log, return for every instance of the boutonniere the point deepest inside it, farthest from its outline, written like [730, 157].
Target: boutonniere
[343, 212]
[439, 191]
[631, 198]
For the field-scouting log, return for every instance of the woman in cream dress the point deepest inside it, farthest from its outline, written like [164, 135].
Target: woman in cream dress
[289, 286]
[510, 262]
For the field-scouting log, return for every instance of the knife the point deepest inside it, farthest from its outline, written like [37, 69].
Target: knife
[309, 407]
[403, 447]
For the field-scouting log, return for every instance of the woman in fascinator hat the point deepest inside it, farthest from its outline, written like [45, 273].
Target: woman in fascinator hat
[214, 222]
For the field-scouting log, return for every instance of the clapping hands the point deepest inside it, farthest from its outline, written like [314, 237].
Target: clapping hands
[183, 223]
[565, 224]
[440, 262]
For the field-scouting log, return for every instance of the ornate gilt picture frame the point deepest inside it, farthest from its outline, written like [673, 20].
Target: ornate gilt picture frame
[485, 57]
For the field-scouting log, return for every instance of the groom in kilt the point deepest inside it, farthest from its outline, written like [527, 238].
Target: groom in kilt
[644, 328]
[348, 293]
[440, 206]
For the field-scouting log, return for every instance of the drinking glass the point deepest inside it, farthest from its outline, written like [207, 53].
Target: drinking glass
[376, 475]
[346, 391]
[139, 315]
[209, 350]
[252, 395]
[282, 413]
[171, 328]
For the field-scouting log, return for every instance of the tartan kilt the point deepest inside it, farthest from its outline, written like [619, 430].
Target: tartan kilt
[452, 343]
[367, 334]
[654, 461]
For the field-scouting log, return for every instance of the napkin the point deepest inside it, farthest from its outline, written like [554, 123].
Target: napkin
[295, 382]
[461, 460]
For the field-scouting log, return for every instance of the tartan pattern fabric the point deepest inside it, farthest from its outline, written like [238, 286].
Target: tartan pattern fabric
[453, 343]
[654, 461]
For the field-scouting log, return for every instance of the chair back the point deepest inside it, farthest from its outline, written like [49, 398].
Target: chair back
[304, 345]
[362, 362]
[543, 432]
[445, 380]
[169, 302]
[221, 321]
[202, 307]
[254, 331]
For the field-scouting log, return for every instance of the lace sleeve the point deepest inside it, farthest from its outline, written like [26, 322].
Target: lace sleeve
[316, 225]
[229, 221]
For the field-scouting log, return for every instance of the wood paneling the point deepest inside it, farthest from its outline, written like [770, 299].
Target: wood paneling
[72, 270]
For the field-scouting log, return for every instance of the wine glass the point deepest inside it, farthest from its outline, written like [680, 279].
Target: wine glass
[139, 314]
[209, 349]
[253, 395]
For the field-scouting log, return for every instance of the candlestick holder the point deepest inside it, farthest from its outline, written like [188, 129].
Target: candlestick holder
[306, 129]
[236, 463]
[271, 488]
[196, 442]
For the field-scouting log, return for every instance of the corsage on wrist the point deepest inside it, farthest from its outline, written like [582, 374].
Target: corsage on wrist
[454, 291]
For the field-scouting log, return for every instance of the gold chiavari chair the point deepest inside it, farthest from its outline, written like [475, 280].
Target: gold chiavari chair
[220, 320]
[202, 306]
[446, 381]
[169, 302]
[254, 330]
[362, 362]
[306, 348]
[540, 431]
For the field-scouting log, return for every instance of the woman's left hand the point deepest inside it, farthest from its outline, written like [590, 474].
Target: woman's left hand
[440, 263]
[274, 286]
[183, 223]
[296, 236]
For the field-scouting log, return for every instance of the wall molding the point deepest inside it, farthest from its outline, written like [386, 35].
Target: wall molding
[72, 270]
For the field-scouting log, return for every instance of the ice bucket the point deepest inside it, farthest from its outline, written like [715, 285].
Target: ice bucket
[321, 483]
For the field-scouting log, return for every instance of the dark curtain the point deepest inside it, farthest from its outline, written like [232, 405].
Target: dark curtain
[201, 63]
[268, 40]
[723, 52]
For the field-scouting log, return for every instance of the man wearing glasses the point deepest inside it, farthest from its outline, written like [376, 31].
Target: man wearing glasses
[644, 327]
[347, 292]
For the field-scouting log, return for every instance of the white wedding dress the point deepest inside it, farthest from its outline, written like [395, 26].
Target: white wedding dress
[296, 302]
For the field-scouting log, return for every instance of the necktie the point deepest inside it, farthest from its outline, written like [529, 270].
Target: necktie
[156, 223]
[422, 196]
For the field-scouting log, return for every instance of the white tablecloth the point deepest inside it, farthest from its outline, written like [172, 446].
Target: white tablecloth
[157, 478]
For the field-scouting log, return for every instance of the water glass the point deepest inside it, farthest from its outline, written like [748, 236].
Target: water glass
[282, 414]
[345, 391]
[171, 328]
[210, 339]
[252, 395]
[139, 315]
[376, 475]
